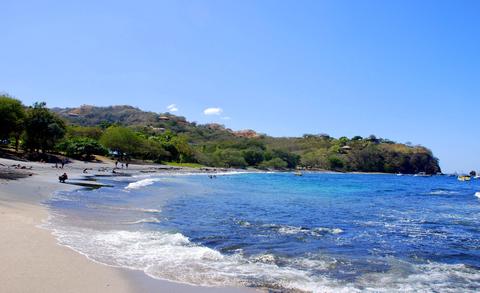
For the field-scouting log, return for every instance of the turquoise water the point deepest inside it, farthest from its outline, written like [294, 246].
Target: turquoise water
[318, 232]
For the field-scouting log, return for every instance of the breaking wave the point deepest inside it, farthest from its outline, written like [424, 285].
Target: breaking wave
[292, 230]
[143, 221]
[171, 256]
[141, 183]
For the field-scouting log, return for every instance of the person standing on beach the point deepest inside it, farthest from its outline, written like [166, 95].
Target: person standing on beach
[63, 163]
[126, 165]
[116, 163]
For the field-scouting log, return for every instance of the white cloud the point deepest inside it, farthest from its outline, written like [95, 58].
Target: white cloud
[213, 111]
[172, 108]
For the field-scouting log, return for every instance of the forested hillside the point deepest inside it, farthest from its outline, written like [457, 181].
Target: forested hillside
[166, 137]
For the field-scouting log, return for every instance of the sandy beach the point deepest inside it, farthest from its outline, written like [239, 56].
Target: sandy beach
[31, 259]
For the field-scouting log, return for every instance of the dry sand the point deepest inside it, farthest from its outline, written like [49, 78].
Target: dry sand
[30, 258]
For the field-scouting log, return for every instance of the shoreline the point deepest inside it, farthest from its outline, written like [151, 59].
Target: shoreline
[33, 260]
[42, 264]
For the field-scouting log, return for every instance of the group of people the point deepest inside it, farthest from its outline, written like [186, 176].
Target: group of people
[62, 162]
[123, 164]
[18, 166]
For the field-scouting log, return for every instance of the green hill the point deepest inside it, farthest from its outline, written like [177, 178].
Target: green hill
[215, 145]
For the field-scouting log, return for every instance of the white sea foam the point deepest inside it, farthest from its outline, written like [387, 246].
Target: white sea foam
[443, 192]
[289, 230]
[431, 277]
[171, 174]
[142, 183]
[477, 194]
[293, 230]
[328, 230]
[244, 223]
[173, 257]
[142, 221]
[123, 208]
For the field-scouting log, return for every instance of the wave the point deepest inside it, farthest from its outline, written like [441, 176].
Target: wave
[142, 183]
[144, 221]
[244, 223]
[203, 173]
[149, 179]
[292, 230]
[171, 256]
[120, 208]
[443, 192]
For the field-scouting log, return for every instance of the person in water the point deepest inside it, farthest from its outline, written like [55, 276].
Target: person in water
[63, 177]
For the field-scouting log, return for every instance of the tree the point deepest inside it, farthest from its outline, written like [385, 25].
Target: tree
[373, 138]
[275, 163]
[253, 157]
[343, 141]
[85, 131]
[153, 150]
[82, 148]
[336, 163]
[12, 116]
[291, 158]
[315, 159]
[43, 129]
[231, 158]
[357, 137]
[121, 140]
[185, 151]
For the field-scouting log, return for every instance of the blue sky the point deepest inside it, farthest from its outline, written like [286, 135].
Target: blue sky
[404, 70]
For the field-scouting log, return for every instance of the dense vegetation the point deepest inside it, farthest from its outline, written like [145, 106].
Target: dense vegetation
[128, 132]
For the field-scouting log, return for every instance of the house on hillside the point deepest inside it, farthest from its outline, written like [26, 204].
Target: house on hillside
[345, 149]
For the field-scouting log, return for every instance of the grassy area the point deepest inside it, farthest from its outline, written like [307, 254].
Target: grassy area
[190, 165]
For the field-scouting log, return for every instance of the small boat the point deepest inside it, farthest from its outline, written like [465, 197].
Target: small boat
[464, 178]
[298, 173]
[477, 194]
[399, 174]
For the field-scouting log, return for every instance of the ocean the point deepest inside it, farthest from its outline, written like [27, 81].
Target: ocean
[317, 232]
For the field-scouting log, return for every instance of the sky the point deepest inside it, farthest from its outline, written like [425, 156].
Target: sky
[403, 70]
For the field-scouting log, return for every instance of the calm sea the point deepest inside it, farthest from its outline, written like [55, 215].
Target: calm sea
[318, 232]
